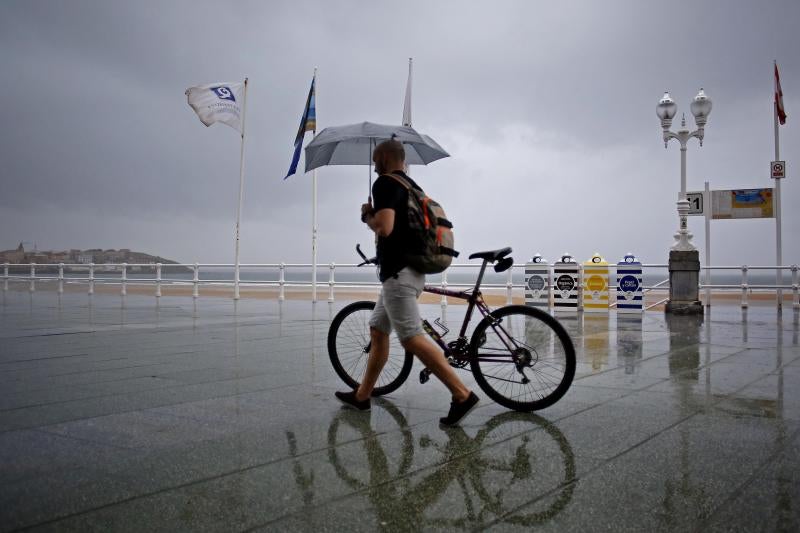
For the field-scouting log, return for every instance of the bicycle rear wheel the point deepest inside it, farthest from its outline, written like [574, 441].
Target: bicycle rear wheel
[522, 358]
[348, 348]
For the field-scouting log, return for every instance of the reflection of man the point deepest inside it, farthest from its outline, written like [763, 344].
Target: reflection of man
[401, 286]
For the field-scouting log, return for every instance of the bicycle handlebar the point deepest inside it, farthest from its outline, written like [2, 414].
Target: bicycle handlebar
[373, 260]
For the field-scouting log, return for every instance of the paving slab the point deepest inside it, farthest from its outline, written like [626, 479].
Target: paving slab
[137, 413]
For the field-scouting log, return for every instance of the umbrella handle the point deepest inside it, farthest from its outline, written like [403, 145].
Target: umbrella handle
[369, 171]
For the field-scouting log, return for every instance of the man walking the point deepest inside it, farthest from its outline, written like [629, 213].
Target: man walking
[401, 286]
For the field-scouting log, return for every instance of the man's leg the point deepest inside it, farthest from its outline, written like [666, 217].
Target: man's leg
[378, 355]
[433, 358]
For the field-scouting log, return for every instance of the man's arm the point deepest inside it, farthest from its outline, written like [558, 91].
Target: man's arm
[381, 222]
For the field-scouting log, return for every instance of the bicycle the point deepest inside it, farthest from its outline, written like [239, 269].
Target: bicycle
[507, 344]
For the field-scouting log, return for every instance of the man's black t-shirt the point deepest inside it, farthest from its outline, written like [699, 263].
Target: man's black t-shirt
[388, 193]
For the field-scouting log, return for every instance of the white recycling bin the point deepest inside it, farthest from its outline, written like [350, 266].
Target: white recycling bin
[595, 285]
[566, 284]
[630, 292]
[537, 282]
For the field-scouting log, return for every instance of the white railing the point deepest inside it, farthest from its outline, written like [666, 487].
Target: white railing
[30, 273]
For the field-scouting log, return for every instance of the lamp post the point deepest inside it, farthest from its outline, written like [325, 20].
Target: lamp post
[684, 262]
[666, 109]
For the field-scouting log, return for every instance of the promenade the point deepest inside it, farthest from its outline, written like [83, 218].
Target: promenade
[212, 415]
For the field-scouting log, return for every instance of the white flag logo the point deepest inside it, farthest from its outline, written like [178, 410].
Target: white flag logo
[218, 102]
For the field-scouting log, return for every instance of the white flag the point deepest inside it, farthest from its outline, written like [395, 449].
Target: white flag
[218, 102]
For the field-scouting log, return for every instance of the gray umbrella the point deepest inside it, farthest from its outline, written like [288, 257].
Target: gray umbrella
[353, 145]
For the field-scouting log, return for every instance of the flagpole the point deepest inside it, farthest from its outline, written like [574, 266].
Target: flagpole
[778, 236]
[407, 106]
[314, 228]
[241, 192]
[407, 101]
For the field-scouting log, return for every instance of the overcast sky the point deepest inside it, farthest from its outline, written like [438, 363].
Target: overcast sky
[547, 108]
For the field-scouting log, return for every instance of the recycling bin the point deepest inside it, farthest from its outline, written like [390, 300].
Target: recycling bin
[595, 285]
[537, 282]
[630, 293]
[566, 284]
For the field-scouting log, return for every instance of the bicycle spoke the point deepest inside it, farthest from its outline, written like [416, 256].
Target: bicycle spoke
[522, 359]
[352, 339]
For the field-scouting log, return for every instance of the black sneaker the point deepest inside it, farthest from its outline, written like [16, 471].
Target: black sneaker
[349, 399]
[459, 410]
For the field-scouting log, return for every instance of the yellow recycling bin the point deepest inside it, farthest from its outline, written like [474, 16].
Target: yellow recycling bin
[595, 285]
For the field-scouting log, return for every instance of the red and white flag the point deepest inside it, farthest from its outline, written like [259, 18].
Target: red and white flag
[779, 98]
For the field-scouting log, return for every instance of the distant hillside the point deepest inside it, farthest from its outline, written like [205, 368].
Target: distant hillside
[80, 259]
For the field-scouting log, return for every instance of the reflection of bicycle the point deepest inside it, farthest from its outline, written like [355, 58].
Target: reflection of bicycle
[520, 356]
[496, 472]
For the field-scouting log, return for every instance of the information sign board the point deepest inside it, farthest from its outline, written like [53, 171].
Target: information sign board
[742, 203]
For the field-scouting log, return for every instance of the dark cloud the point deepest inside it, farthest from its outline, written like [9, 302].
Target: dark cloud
[547, 109]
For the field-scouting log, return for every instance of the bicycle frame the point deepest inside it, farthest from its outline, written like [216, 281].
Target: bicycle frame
[474, 299]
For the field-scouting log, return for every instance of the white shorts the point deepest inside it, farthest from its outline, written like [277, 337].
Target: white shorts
[397, 307]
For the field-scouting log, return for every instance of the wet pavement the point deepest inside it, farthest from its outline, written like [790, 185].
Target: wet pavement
[216, 416]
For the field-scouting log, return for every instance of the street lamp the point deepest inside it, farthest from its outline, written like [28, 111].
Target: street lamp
[666, 109]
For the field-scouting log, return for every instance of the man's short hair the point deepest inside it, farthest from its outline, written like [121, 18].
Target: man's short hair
[393, 149]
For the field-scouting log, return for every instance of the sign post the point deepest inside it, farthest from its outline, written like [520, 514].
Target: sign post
[707, 216]
[778, 172]
[733, 204]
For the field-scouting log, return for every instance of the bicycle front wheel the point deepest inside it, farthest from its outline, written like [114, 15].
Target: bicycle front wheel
[349, 345]
[522, 358]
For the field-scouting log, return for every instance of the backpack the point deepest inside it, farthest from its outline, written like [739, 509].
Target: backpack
[428, 222]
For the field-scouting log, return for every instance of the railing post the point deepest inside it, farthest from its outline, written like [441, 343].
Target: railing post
[331, 282]
[510, 286]
[158, 280]
[444, 288]
[196, 281]
[282, 281]
[33, 277]
[5, 277]
[124, 289]
[91, 278]
[744, 286]
[795, 296]
[60, 278]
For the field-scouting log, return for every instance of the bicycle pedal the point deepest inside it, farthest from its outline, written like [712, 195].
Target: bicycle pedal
[424, 375]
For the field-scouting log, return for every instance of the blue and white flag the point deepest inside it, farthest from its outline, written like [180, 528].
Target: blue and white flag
[218, 102]
[308, 122]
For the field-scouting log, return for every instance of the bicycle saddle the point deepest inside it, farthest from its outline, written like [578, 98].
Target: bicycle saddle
[492, 255]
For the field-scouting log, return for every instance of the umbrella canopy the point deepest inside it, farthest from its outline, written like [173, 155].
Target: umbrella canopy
[353, 145]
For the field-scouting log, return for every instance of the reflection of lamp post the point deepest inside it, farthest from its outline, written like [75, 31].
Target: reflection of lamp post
[666, 109]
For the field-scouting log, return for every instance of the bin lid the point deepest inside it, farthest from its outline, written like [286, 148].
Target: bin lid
[596, 260]
[537, 258]
[566, 257]
[629, 259]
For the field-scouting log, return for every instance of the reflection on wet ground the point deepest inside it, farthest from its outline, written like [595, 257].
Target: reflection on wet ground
[131, 415]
